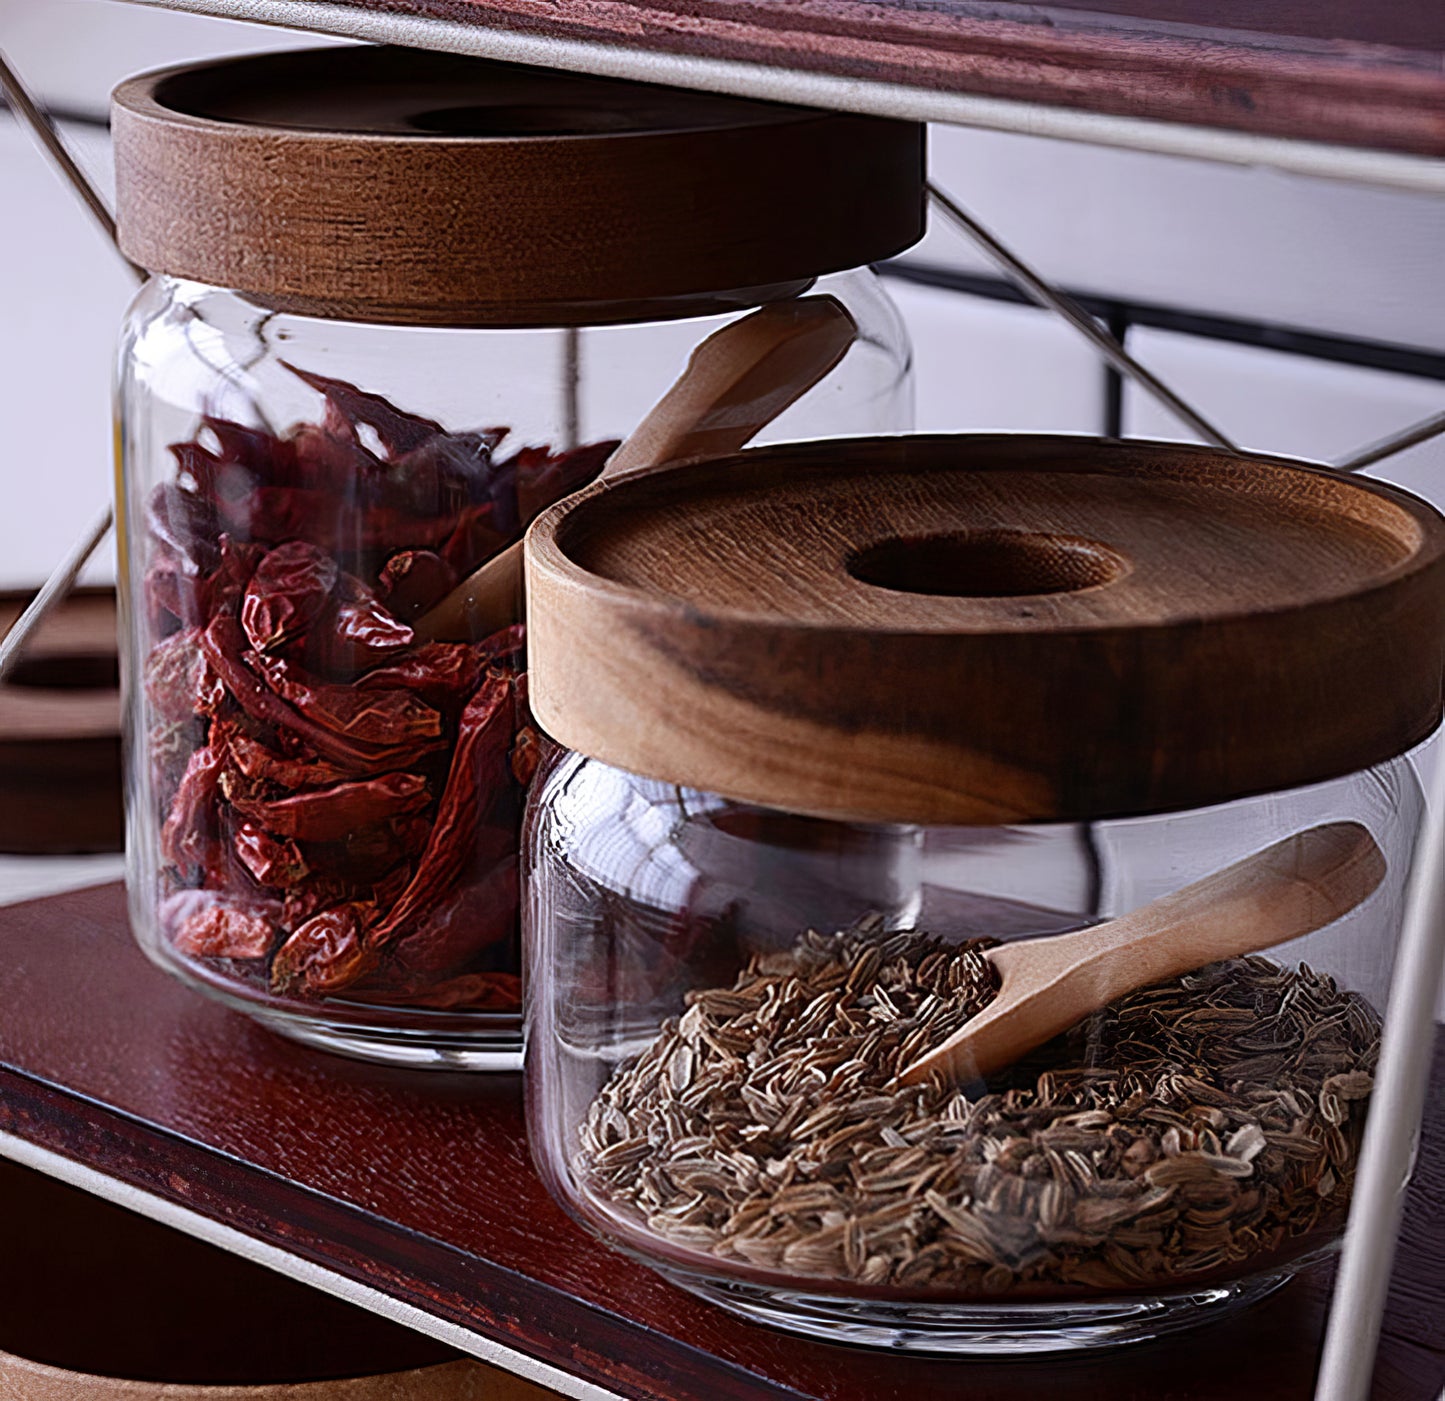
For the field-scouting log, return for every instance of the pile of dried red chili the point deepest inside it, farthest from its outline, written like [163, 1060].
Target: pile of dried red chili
[340, 799]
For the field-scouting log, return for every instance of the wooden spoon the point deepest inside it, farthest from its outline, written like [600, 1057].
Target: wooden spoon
[1048, 985]
[736, 382]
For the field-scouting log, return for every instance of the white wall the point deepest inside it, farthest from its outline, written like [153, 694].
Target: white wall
[62, 292]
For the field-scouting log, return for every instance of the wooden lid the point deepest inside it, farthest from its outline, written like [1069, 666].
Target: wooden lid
[981, 629]
[399, 185]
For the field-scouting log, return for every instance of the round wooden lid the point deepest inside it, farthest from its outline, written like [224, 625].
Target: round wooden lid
[398, 185]
[983, 629]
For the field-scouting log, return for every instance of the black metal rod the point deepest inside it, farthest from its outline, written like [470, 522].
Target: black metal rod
[20, 101]
[54, 590]
[1262, 335]
[1382, 448]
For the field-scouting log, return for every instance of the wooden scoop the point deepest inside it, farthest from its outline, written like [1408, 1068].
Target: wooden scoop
[1047, 985]
[736, 382]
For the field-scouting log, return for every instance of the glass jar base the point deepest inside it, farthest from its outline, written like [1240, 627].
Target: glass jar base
[419, 1040]
[979, 1330]
[488, 1050]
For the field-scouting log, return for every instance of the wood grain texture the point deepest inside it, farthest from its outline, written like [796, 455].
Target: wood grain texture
[420, 1186]
[978, 629]
[403, 186]
[60, 758]
[1342, 71]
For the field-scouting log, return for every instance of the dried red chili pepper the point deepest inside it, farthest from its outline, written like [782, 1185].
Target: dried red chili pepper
[387, 891]
[258, 450]
[179, 682]
[261, 764]
[370, 715]
[170, 744]
[469, 920]
[185, 523]
[204, 925]
[484, 736]
[363, 855]
[273, 862]
[327, 953]
[443, 475]
[225, 587]
[473, 538]
[291, 585]
[504, 647]
[172, 597]
[328, 814]
[413, 580]
[544, 479]
[299, 732]
[358, 634]
[309, 897]
[444, 674]
[213, 478]
[190, 832]
[325, 461]
[397, 430]
[225, 647]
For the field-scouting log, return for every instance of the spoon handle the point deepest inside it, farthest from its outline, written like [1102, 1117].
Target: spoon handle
[737, 381]
[1289, 889]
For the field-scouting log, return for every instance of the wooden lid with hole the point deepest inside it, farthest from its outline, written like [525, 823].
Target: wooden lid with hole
[983, 629]
[398, 185]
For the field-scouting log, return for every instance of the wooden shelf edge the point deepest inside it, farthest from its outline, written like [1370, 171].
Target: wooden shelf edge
[174, 1213]
[847, 83]
[340, 1249]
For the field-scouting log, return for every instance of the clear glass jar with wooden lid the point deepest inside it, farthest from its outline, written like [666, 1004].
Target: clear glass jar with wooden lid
[963, 898]
[399, 303]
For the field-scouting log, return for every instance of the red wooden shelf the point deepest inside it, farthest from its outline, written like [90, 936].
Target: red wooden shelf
[1362, 72]
[1348, 77]
[417, 1187]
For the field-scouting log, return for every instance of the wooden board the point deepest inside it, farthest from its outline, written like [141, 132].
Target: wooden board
[418, 1186]
[1355, 72]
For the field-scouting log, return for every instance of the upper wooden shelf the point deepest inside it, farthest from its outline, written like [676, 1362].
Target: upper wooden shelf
[1350, 88]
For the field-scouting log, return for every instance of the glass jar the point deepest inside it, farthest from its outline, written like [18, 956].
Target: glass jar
[724, 992]
[324, 784]
[696, 964]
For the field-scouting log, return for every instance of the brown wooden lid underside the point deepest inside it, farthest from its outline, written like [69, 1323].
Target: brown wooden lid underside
[404, 186]
[986, 629]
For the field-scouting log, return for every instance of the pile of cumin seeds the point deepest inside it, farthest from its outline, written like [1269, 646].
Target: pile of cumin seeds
[1207, 1123]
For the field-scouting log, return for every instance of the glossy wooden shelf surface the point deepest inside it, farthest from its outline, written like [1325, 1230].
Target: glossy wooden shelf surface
[1341, 70]
[1366, 74]
[418, 1188]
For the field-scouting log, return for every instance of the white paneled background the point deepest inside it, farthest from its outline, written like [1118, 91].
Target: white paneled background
[1248, 244]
